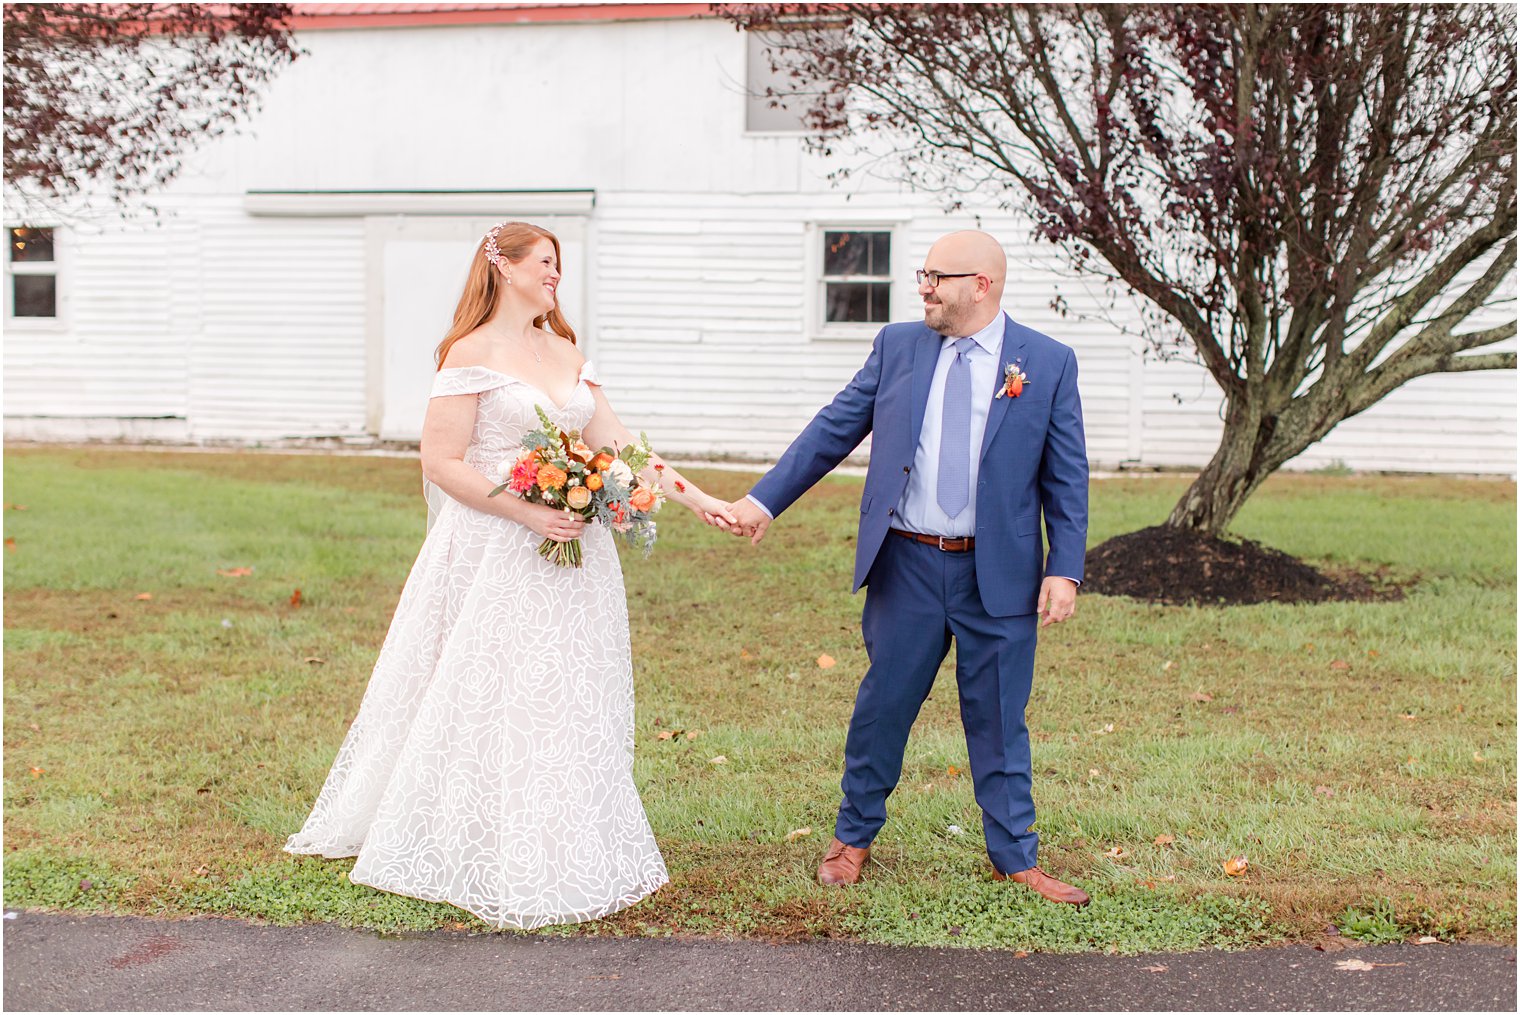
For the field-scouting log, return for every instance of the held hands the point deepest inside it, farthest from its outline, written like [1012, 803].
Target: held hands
[1058, 600]
[712, 511]
[750, 521]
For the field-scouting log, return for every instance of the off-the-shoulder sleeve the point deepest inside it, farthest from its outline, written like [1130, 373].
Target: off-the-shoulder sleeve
[588, 373]
[465, 381]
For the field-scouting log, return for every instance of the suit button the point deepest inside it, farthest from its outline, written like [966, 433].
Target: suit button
[891, 511]
[907, 469]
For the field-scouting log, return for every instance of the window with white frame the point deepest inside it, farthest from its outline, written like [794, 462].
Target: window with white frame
[781, 110]
[856, 275]
[31, 274]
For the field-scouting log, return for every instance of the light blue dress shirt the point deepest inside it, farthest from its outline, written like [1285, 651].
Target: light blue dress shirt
[919, 509]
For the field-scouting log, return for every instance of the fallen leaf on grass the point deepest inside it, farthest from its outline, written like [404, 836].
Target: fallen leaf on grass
[1092, 773]
[1235, 866]
[664, 734]
[825, 661]
[295, 598]
[745, 653]
[15, 507]
[10, 545]
[693, 734]
[1166, 666]
[1164, 839]
[37, 771]
[1428, 940]
[1360, 966]
[34, 727]
[1201, 696]
[201, 871]
[952, 770]
[799, 833]
[1115, 853]
[143, 596]
[1324, 791]
[1340, 664]
[1480, 759]
[1409, 717]
[719, 760]
[1107, 729]
[236, 572]
[1155, 969]
[315, 660]
[1021, 955]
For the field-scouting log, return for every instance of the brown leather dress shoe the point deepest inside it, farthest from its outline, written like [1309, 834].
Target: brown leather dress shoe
[1051, 888]
[841, 864]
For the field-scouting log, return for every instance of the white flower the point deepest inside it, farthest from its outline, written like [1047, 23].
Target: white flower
[955, 830]
[620, 469]
[504, 469]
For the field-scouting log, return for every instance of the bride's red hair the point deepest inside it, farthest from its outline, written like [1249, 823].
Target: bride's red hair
[483, 286]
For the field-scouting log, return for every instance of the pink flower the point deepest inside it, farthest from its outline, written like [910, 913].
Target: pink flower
[524, 474]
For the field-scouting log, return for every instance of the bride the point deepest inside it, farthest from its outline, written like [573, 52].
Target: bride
[490, 765]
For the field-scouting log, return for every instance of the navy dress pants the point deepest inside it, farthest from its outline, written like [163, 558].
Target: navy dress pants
[917, 599]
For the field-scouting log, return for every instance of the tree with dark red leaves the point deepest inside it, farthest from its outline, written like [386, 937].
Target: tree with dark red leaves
[1314, 200]
[107, 98]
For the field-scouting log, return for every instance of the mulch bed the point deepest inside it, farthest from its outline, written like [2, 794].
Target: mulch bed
[1163, 565]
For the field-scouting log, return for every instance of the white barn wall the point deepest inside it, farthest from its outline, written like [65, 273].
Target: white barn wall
[237, 327]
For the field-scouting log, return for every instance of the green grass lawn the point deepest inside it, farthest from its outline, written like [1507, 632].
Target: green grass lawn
[1360, 757]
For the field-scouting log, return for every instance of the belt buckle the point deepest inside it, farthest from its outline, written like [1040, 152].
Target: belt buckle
[942, 545]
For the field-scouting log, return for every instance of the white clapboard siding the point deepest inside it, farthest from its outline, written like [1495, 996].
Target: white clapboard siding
[127, 310]
[282, 348]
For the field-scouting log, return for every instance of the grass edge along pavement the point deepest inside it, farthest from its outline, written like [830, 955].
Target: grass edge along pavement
[1359, 756]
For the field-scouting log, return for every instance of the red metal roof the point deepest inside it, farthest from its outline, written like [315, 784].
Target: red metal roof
[318, 16]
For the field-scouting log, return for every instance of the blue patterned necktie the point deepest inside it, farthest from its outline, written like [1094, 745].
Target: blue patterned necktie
[954, 490]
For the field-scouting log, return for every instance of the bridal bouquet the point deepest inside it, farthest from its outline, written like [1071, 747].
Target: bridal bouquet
[557, 469]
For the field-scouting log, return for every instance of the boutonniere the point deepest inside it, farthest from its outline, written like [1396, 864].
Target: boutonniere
[1014, 380]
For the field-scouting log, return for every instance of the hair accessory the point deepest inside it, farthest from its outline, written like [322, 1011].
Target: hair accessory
[493, 252]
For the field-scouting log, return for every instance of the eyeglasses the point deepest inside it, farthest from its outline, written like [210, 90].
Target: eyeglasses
[934, 278]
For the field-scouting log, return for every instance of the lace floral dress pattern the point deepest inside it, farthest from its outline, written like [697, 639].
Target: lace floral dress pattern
[482, 770]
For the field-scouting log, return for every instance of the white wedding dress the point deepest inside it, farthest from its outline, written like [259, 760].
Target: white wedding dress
[490, 765]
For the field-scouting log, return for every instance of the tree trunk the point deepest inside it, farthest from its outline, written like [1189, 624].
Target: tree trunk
[1238, 467]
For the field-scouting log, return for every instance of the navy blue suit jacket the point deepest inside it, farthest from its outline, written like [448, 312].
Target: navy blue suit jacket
[1034, 459]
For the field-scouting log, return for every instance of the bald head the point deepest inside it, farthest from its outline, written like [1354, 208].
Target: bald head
[965, 304]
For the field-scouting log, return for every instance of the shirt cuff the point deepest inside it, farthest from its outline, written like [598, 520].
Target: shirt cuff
[751, 498]
[1075, 581]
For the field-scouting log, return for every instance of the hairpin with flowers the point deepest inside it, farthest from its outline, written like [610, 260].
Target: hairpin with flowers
[493, 252]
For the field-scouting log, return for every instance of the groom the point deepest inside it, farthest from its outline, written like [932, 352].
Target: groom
[977, 431]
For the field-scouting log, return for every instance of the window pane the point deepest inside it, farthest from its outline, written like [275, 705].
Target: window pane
[781, 112]
[28, 244]
[860, 302]
[34, 296]
[856, 253]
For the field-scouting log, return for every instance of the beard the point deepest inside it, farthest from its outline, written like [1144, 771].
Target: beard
[943, 317]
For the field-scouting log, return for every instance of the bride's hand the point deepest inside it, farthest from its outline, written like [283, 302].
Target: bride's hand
[713, 511]
[552, 523]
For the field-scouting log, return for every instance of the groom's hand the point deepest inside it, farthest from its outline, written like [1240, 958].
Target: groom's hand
[752, 521]
[1058, 600]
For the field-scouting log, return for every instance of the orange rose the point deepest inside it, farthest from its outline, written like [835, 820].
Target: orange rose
[593, 482]
[601, 461]
[641, 499]
[550, 478]
[578, 497]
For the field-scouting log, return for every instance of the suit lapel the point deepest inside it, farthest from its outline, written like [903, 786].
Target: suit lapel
[1012, 352]
[925, 355]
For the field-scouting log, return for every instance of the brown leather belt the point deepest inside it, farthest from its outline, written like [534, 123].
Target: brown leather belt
[950, 544]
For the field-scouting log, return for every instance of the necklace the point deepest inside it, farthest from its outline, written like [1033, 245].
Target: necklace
[537, 356]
